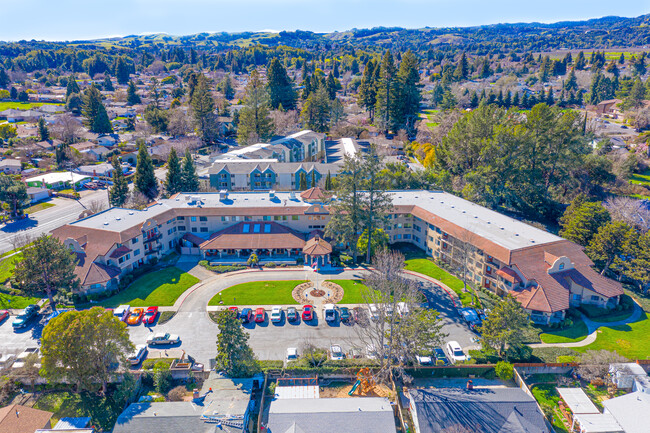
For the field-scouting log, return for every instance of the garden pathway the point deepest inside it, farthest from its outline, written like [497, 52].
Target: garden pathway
[592, 328]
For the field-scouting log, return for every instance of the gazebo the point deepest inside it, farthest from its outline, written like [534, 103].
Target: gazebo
[317, 249]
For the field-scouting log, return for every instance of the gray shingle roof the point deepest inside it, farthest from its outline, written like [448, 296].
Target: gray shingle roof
[495, 410]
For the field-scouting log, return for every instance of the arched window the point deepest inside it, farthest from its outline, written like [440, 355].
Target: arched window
[561, 266]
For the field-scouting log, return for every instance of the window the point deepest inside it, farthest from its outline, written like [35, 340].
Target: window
[247, 218]
[134, 240]
[266, 218]
[204, 229]
[276, 218]
[267, 228]
[136, 253]
[203, 219]
[561, 266]
[408, 225]
[595, 298]
[246, 228]
[169, 232]
[181, 228]
[224, 218]
[417, 228]
[193, 229]
[407, 236]
[181, 218]
[256, 228]
[577, 297]
[295, 217]
[193, 219]
[416, 239]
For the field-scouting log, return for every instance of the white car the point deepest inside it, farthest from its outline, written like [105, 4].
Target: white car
[455, 352]
[374, 312]
[336, 354]
[424, 360]
[163, 338]
[138, 355]
[122, 312]
[276, 314]
[292, 354]
[330, 312]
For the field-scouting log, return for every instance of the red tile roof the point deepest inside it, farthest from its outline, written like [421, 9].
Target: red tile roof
[315, 193]
[243, 236]
[317, 246]
[509, 275]
[119, 252]
[22, 419]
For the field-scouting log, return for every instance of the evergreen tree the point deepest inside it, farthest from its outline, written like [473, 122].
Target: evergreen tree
[94, 112]
[43, 132]
[571, 83]
[313, 179]
[636, 96]
[122, 70]
[203, 110]
[108, 84]
[550, 100]
[387, 93]
[303, 181]
[145, 178]
[255, 124]
[189, 178]
[4, 79]
[72, 87]
[331, 86]
[280, 87]
[461, 68]
[226, 88]
[316, 110]
[408, 102]
[580, 62]
[328, 181]
[173, 180]
[118, 193]
[132, 96]
[234, 355]
[367, 92]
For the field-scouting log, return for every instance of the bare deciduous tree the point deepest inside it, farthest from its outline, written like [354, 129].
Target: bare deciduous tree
[179, 123]
[67, 128]
[399, 330]
[96, 206]
[630, 211]
[20, 240]
[137, 200]
[595, 365]
[285, 122]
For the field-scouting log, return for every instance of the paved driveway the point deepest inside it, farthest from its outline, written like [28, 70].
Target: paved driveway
[269, 341]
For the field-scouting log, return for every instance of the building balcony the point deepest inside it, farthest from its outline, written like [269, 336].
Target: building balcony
[152, 238]
[152, 251]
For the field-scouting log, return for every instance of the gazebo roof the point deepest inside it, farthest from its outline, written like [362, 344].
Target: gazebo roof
[317, 246]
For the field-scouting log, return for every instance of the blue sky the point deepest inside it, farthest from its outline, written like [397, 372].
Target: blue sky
[76, 19]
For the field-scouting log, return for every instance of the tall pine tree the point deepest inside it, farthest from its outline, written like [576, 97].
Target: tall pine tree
[254, 121]
[94, 112]
[202, 104]
[174, 180]
[189, 178]
[132, 96]
[386, 93]
[280, 87]
[119, 192]
[145, 178]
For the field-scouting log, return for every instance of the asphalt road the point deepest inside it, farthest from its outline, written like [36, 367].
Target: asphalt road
[44, 221]
[269, 341]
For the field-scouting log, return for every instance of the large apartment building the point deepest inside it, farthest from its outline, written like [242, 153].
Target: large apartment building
[546, 273]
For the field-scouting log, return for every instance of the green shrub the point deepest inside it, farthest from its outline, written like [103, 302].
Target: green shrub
[504, 370]
[270, 265]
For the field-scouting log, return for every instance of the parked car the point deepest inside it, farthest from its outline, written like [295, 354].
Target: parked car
[292, 354]
[360, 316]
[150, 315]
[235, 311]
[307, 312]
[374, 312]
[138, 355]
[122, 312]
[163, 338]
[3, 315]
[345, 314]
[292, 314]
[330, 312]
[25, 317]
[424, 359]
[336, 353]
[135, 317]
[276, 314]
[246, 315]
[440, 356]
[455, 352]
[260, 315]
[471, 316]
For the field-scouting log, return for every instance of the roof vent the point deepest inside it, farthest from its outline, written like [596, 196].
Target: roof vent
[292, 195]
[489, 222]
[118, 218]
[516, 234]
[105, 223]
[532, 241]
[464, 211]
[272, 194]
[502, 228]
[188, 197]
[130, 212]
[223, 195]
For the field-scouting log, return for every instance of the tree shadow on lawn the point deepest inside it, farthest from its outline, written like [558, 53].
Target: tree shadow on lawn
[103, 411]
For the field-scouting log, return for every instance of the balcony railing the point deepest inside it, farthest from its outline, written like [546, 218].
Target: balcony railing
[152, 238]
[152, 251]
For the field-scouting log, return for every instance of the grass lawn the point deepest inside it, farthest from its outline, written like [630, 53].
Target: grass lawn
[427, 267]
[160, 288]
[547, 396]
[16, 302]
[641, 178]
[102, 410]
[38, 206]
[577, 332]
[352, 291]
[258, 293]
[8, 265]
[23, 105]
[629, 340]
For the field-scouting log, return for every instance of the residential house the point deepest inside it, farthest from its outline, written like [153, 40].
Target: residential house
[108, 140]
[37, 194]
[98, 170]
[222, 406]
[325, 415]
[10, 166]
[16, 418]
[488, 410]
[608, 107]
[97, 153]
[58, 180]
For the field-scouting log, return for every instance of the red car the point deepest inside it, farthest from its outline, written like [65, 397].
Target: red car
[235, 311]
[150, 315]
[260, 315]
[3, 315]
[308, 312]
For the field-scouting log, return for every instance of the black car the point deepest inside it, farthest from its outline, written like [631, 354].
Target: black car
[345, 314]
[246, 315]
[440, 356]
[292, 314]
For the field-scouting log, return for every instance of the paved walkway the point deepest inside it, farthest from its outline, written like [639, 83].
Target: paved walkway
[593, 329]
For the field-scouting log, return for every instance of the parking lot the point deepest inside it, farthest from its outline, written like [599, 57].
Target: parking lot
[198, 333]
